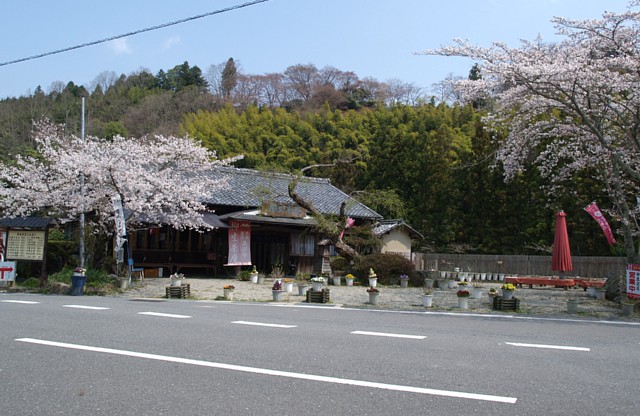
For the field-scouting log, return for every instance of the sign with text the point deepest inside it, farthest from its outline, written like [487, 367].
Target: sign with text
[282, 210]
[633, 281]
[7, 271]
[25, 245]
[239, 243]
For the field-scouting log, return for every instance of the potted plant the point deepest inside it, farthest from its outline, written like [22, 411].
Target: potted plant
[373, 295]
[277, 291]
[303, 284]
[507, 291]
[337, 280]
[463, 298]
[228, 291]
[572, 305]
[493, 292]
[404, 280]
[373, 278]
[349, 279]
[254, 275]
[317, 283]
[476, 289]
[277, 272]
[427, 298]
[78, 279]
[176, 279]
[627, 306]
[288, 285]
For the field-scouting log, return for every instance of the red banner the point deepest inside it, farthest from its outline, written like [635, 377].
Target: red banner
[239, 243]
[595, 212]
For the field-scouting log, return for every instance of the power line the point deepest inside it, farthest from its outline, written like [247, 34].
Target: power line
[200, 16]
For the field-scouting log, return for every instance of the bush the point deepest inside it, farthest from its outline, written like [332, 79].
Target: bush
[388, 268]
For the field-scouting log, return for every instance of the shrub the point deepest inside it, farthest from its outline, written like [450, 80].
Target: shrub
[388, 268]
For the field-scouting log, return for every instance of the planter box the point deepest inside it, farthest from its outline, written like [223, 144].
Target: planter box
[318, 296]
[500, 304]
[180, 292]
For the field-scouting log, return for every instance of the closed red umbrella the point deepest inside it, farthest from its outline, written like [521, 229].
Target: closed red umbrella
[561, 258]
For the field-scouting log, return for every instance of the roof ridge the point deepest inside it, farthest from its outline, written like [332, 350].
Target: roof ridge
[283, 175]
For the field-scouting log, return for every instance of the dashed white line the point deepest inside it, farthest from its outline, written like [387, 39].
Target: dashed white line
[553, 347]
[288, 374]
[384, 334]
[25, 302]
[164, 315]
[95, 308]
[263, 324]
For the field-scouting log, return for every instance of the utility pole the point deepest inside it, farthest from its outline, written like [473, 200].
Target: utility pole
[82, 254]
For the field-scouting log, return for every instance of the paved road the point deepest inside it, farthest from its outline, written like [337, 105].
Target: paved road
[117, 356]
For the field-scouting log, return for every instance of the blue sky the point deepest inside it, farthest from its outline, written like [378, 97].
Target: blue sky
[373, 38]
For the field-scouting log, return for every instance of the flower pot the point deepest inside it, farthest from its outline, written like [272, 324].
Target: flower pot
[288, 287]
[600, 294]
[463, 302]
[348, 281]
[254, 277]
[572, 306]
[302, 289]
[176, 282]
[591, 291]
[451, 284]
[507, 294]
[228, 294]
[317, 286]
[491, 296]
[428, 283]
[337, 281]
[427, 300]
[278, 295]
[260, 279]
[373, 298]
[627, 308]
[404, 282]
[373, 281]
[476, 292]
[124, 282]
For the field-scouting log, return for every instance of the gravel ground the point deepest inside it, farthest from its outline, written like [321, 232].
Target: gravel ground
[539, 301]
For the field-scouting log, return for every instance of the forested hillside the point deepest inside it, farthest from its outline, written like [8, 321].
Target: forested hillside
[434, 158]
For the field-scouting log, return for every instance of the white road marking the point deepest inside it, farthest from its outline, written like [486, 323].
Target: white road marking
[95, 308]
[263, 324]
[383, 334]
[164, 315]
[277, 373]
[553, 347]
[25, 302]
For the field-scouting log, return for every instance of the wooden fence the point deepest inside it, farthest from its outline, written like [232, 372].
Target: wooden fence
[519, 265]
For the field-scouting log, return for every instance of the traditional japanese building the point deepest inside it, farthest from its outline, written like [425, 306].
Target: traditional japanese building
[255, 223]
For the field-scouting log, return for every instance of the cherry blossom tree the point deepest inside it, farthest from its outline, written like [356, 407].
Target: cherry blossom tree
[160, 179]
[569, 107]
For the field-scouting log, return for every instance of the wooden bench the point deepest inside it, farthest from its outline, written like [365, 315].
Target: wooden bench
[585, 283]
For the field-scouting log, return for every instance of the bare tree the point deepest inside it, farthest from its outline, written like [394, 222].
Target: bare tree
[104, 79]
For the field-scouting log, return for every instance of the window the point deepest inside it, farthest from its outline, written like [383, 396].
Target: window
[302, 244]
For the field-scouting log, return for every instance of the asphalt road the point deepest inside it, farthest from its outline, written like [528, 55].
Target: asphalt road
[116, 356]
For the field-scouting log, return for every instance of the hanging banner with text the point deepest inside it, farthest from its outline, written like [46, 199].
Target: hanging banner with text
[239, 243]
[633, 283]
[595, 212]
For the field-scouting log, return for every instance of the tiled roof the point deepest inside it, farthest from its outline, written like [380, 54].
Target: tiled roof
[248, 188]
[385, 226]
[26, 222]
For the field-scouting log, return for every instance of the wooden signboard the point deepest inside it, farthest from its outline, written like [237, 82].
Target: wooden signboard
[25, 245]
